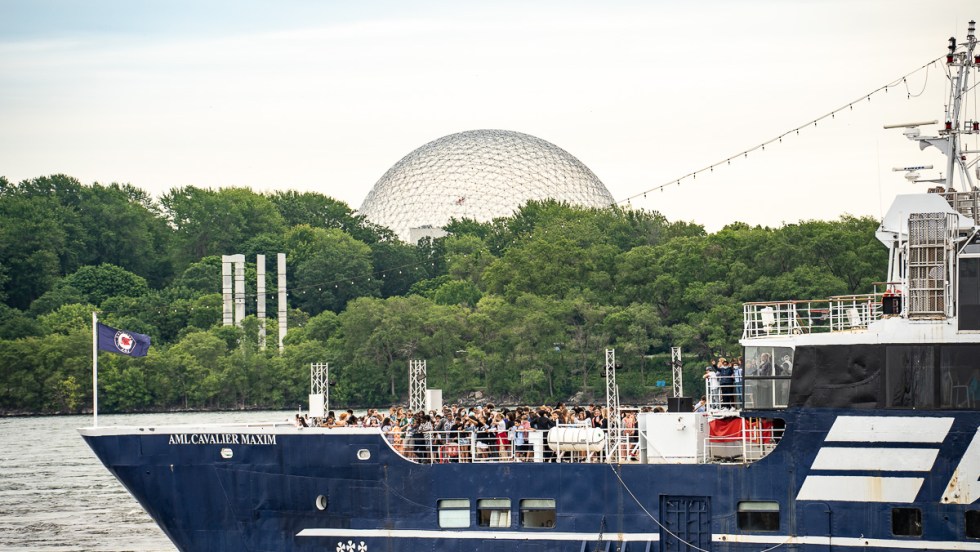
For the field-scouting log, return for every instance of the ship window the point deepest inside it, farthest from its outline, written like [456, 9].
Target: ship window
[907, 522]
[910, 377]
[767, 377]
[538, 512]
[493, 512]
[969, 300]
[454, 513]
[959, 377]
[758, 515]
[972, 524]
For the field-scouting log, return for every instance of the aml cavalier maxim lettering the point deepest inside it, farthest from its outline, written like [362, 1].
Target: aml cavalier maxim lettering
[221, 439]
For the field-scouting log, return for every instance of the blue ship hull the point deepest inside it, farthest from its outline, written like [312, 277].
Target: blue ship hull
[313, 489]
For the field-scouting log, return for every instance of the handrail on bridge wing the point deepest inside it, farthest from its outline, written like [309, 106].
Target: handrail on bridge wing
[836, 314]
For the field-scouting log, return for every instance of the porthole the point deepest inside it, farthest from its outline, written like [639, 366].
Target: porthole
[321, 502]
[364, 454]
[227, 453]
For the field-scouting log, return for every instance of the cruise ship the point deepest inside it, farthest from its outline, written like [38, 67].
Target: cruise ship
[854, 427]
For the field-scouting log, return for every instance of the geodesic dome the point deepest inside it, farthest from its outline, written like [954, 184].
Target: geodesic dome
[478, 174]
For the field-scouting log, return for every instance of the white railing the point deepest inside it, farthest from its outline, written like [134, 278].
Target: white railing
[573, 444]
[757, 439]
[966, 203]
[723, 397]
[440, 447]
[837, 314]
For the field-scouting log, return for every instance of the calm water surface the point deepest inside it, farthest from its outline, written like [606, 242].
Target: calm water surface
[56, 495]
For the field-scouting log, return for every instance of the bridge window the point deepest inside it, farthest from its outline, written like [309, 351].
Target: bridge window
[973, 524]
[767, 377]
[969, 303]
[910, 377]
[493, 512]
[454, 513]
[907, 522]
[538, 512]
[758, 515]
[959, 377]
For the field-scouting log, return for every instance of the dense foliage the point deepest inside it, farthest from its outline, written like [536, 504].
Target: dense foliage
[519, 308]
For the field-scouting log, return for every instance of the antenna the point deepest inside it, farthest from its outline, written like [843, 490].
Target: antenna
[912, 125]
[912, 173]
[948, 138]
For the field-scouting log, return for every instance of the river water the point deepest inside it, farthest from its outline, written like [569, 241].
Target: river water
[55, 495]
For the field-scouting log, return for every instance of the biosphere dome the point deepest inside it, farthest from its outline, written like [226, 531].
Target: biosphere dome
[477, 174]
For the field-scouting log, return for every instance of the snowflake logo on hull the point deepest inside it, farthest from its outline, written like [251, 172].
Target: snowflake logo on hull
[349, 546]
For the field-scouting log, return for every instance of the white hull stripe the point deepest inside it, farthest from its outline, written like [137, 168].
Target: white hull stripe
[875, 459]
[911, 544]
[891, 429]
[542, 534]
[964, 485]
[859, 488]
[546, 535]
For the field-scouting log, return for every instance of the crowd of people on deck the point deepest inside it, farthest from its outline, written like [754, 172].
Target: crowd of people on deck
[479, 433]
[457, 433]
[723, 381]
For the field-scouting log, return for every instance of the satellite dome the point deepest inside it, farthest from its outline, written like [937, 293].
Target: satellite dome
[477, 174]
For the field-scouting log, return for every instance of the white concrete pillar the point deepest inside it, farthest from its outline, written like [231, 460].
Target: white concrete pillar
[260, 297]
[281, 262]
[239, 289]
[228, 312]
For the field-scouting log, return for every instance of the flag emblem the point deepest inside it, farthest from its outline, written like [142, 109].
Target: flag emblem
[122, 342]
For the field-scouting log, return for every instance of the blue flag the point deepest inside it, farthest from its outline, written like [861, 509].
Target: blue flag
[123, 342]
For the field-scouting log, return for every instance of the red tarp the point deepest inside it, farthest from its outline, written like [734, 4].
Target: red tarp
[731, 429]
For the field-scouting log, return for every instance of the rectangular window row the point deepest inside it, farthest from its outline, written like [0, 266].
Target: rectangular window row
[907, 522]
[758, 515]
[928, 376]
[753, 515]
[535, 513]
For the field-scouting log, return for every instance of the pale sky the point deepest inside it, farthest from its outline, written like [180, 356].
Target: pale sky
[326, 96]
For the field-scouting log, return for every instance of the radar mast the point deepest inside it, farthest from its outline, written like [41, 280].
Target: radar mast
[957, 175]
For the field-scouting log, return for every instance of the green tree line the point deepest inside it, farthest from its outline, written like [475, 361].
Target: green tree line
[520, 308]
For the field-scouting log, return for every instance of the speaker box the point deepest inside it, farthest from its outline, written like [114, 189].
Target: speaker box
[680, 404]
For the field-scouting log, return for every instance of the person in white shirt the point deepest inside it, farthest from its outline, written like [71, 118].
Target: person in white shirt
[714, 388]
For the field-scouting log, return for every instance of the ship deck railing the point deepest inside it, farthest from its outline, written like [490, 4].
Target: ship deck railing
[724, 401]
[843, 313]
[756, 440]
[442, 447]
[596, 446]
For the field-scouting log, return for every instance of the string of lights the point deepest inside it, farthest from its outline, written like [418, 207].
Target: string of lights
[794, 131]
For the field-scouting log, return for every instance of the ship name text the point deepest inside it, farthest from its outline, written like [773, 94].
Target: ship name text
[222, 439]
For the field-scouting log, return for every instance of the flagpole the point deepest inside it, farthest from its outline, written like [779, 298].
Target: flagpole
[95, 370]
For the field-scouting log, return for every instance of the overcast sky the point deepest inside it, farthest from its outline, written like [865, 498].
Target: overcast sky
[326, 96]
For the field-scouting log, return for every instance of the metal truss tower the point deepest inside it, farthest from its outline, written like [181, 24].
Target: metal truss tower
[676, 366]
[416, 385]
[615, 442]
[319, 388]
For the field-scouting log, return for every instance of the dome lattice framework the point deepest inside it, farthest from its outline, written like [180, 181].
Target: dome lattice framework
[481, 175]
